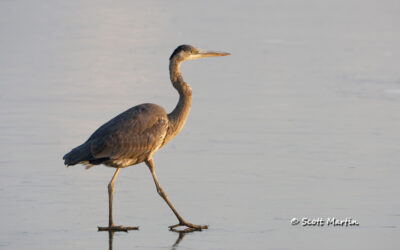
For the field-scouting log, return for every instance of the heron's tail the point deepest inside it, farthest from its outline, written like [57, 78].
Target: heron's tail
[80, 154]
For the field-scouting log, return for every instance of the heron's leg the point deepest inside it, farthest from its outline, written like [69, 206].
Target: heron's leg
[110, 198]
[161, 192]
[111, 226]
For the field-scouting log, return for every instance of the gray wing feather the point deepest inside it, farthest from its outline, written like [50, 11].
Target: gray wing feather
[133, 133]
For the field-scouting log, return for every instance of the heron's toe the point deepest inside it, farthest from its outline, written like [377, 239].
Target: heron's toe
[117, 228]
[189, 227]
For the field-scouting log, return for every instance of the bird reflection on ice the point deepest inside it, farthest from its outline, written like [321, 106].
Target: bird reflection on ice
[181, 235]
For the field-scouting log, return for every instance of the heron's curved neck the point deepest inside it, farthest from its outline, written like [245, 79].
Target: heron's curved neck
[177, 117]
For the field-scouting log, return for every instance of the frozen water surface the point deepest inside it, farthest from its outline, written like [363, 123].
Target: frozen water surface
[301, 121]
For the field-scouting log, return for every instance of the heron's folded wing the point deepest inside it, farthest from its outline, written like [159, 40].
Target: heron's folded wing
[133, 133]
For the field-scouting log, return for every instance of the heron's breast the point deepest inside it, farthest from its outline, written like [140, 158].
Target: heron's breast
[121, 163]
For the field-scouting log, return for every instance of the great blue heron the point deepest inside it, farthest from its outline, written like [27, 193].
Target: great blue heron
[135, 135]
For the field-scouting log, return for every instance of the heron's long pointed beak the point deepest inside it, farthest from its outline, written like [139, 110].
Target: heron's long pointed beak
[203, 54]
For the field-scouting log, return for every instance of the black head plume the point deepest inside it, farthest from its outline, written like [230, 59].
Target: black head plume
[184, 47]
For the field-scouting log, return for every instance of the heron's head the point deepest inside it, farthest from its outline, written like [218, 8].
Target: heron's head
[188, 52]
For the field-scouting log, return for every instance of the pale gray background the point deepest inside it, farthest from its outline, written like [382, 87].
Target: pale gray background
[302, 120]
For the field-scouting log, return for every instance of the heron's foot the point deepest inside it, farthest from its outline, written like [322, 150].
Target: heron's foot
[189, 227]
[114, 228]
